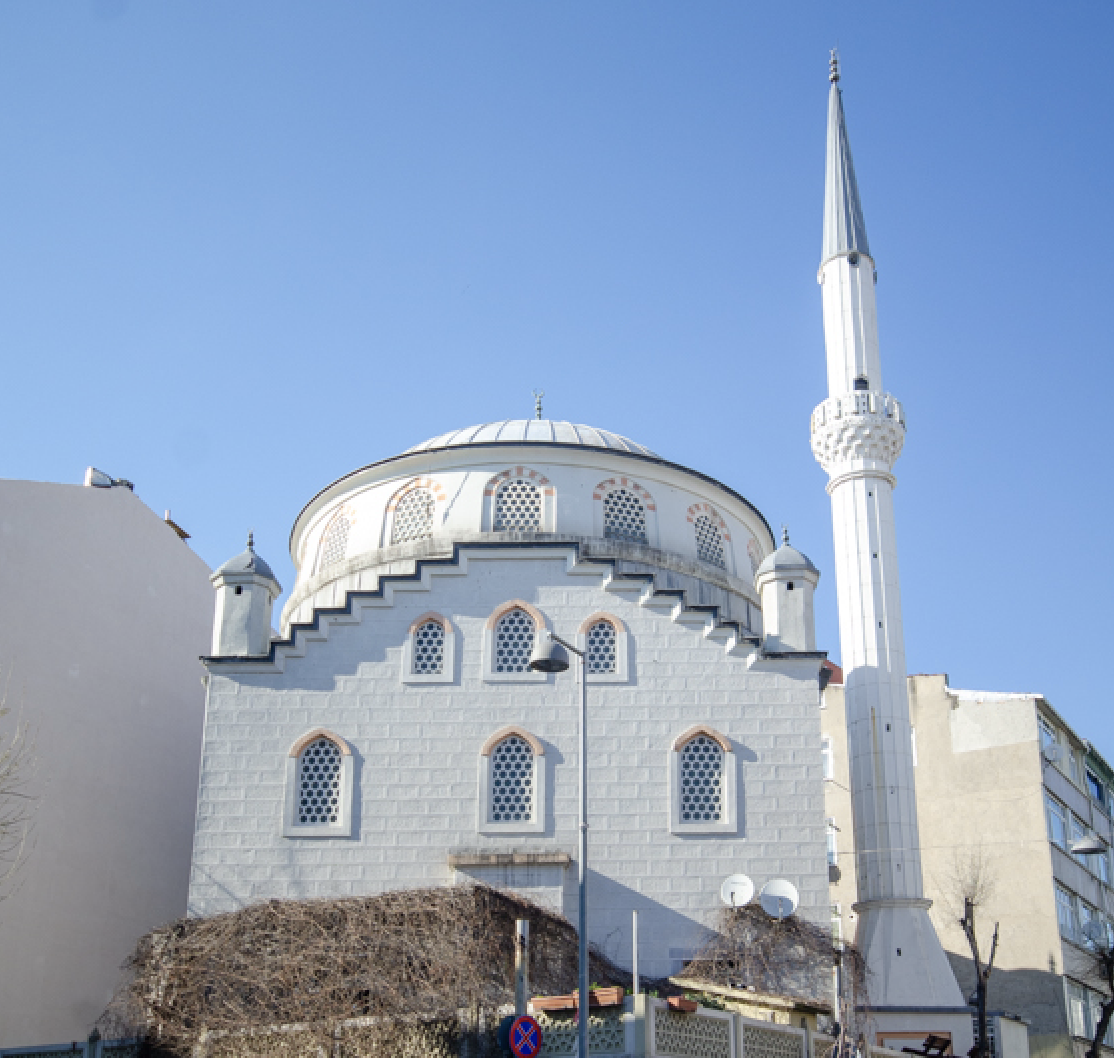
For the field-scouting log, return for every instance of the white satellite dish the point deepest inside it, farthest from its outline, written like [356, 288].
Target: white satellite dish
[737, 890]
[779, 898]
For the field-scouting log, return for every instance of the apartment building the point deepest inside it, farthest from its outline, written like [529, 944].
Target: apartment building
[1010, 798]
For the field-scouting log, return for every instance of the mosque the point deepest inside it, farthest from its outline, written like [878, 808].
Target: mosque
[394, 734]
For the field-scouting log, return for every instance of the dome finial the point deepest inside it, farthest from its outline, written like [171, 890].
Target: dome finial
[251, 540]
[785, 534]
[538, 394]
[833, 67]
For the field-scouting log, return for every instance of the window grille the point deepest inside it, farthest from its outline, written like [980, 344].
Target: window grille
[702, 781]
[413, 517]
[709, 541]
[601, 647]
[833, 847]
[334, 544]
[514, 641]
[827, 756]
[518, 505]
[512, 781]
[624, 517]
[319, 782]
[429, 649]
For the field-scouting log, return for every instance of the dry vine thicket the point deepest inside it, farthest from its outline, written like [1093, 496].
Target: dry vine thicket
[421, 971]
[788, 957]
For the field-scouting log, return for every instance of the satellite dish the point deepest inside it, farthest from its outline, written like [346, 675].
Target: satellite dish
[779, 898]
[1052, 753]
[737, 890]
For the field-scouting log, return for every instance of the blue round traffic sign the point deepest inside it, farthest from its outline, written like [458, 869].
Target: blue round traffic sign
[526, 1037]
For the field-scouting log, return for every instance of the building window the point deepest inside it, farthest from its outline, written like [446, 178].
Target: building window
[827, 756]
[512, 787]
[703, 783]
[334, 544]
[518, 506]
[624, 516]
[1067, 913]
[1074, 767]
[1047, 734]
[833, 845]
[514, 642]
[429, 652]
[509, 638]
[512, 782]
[1079, 1010]
[709, 541]
[429, 649]
[1057, 822]
[413, 517]
[913, 744]
[837, 925]
[601, 648]
[1096, 790]
[1077, 832]
[319, 787]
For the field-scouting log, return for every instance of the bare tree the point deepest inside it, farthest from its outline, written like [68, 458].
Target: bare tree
[17, 801]
[969, 890]
[1100, 941]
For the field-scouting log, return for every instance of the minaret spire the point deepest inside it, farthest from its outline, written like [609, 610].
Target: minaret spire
[857, 435]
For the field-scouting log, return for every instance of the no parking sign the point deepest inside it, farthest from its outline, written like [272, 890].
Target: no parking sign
[525, 1037]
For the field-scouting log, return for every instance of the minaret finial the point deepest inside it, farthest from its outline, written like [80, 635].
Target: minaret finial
[538, 394]
[785, 534]
[251, 540]
[833, 67]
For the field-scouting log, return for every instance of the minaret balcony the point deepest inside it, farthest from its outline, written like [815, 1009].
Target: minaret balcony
[864, 429]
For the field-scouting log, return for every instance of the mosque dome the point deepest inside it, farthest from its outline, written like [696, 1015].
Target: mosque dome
[534, 431]
[247, 562]
[786, 558]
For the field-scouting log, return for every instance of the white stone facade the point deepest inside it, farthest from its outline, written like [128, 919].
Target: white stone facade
[425, 754]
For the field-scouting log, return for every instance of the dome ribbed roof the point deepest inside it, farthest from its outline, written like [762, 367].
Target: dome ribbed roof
[533, 431]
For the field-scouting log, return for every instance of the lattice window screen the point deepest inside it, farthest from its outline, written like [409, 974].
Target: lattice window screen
[769, 1043]
[518, 505]
[624, 517]
[601, 647]
[702, 781]
[319, 782]
[514, 641]
[429, 649]
[413, 517]
[334, 544]
[512, 781]
[709, 541]
[606, 1034]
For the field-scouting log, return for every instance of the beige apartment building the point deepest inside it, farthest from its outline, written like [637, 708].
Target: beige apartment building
[1005, 790]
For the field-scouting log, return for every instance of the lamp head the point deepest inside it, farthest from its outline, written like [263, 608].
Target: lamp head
[548, 655]
[1092, 845]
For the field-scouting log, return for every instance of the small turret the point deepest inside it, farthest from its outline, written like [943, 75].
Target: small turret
[246, 591]
[785, 583]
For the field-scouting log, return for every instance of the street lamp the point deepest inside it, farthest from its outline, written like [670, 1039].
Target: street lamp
[551, 654]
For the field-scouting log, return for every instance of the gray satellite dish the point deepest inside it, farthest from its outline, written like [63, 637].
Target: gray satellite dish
[737, 890]
[1052, 753]
[779, 898]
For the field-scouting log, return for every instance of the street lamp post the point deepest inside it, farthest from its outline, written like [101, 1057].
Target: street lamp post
[550, 654]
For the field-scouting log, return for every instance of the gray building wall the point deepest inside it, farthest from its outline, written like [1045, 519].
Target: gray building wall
[103, 614]
[417, 758]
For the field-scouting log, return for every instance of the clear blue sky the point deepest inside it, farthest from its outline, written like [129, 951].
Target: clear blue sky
[248, 247]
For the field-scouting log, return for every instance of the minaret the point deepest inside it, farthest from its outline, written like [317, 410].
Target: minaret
[857, 434]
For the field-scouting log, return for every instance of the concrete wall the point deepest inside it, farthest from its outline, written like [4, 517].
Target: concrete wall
[103, 614]
[417, 758]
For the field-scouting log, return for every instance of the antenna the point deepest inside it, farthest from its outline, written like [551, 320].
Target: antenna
[538, 394]
[737, 890]
[779, 898]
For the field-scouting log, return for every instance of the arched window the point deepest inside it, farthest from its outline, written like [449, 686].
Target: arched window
[703, 783]
[512, 783]
[709, 541]
[429, 649]
[601, 654]
[624, 516]
[334, 544]
[413, 517]
[518, 506]
[319, 787]
[514, 641]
